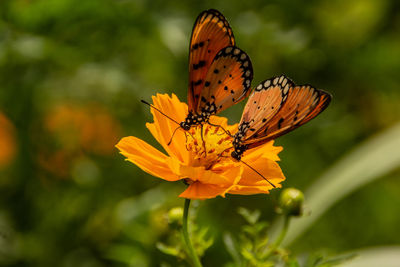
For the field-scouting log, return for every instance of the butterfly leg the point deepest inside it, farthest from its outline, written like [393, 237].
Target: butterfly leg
[186, 141]
[204, 142]
[220, 155]
[219, 126]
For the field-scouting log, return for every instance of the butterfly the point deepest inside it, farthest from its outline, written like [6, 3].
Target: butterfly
[275, 107]
[220, 73]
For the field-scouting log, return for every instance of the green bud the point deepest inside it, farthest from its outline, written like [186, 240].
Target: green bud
[175, 215]
[291, 202]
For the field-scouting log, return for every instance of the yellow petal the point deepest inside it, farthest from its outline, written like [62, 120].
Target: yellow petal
[268, 168]
[211, 183]
[224, 175]
[267, 150]
[249, 190]
[221, 121]
[252, 183]
[232, 172]
[162, 129]
[146, 157]
[199, 190]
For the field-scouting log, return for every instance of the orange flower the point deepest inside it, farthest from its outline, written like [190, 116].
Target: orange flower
[208, 174]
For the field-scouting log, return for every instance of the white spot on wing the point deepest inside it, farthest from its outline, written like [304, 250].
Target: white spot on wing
[284, 82]
[286, 89]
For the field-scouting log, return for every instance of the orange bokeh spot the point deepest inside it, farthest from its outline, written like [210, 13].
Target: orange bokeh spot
[8, 145]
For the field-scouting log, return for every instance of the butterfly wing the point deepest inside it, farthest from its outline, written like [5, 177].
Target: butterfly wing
[211, 33]
[299, 104]
[265, 101]
[227, 82]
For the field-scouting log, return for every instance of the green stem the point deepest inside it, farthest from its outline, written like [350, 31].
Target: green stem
[192, 253]
[281, 236]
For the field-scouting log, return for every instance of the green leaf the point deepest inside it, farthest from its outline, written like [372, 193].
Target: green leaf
[369, 161]
[262, 243]
[261, 226]
[173, 251]
[293, 263]
[378, 256]
[232, 247]
[250, 230]
[248, 255]
[250, 217]
[339, 259]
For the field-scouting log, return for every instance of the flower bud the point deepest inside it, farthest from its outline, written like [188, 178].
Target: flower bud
[291, 202]
[175, 215]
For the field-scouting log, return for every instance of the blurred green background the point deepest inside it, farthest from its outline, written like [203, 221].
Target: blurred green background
[71, 76]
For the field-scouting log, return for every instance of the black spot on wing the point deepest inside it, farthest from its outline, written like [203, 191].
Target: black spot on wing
[280, 122]
[198, 82]
[245, 64]
[199, 65]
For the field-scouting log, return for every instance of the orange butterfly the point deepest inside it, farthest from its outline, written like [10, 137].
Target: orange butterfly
[276, 107]
[220, 74]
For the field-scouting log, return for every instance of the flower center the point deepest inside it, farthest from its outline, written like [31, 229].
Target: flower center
[208, 145]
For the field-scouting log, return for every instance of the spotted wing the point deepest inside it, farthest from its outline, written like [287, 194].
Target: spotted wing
[299, 105]
[264, 102]
[227, 81]
[211, 33]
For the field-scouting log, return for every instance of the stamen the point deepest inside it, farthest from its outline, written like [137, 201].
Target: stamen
[208, 146]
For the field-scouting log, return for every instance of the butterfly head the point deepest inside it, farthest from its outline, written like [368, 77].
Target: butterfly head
[190, 120]
[238, 151]
[185, 125]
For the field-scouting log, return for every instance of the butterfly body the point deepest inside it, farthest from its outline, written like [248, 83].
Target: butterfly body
[276, 107]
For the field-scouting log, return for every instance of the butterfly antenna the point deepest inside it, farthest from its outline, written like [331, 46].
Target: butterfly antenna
[147, 103]
[258, 173]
